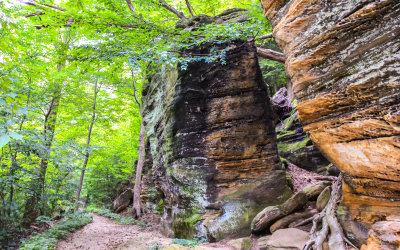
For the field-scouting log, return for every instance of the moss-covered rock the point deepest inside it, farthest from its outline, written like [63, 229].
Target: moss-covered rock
[214, 164]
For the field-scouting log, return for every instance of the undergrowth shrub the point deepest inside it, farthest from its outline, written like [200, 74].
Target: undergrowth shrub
[189, 243]
[48, 240]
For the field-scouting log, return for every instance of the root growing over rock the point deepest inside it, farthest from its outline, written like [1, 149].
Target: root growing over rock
[330, 225]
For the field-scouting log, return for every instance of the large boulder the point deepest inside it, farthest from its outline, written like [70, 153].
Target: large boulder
[288, 238]
[343, 59]
[292, 218]
[323, 198]
[272, 213]
[212, 144]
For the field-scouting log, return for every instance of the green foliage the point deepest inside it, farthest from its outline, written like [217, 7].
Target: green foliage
[48, 240]
[47, 65]
[189, 243]
[113, 216]
[155, 246]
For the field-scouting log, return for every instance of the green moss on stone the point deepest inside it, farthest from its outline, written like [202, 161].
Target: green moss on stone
[246, 244]
[239, 192]
[292, 147]
[285, 133]
[160, 206]
[183, 225]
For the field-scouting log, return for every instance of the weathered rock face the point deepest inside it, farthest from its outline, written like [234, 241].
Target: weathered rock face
[344, 61]
[293, 143]
[123, 200]
[384, 235]
[213, 145]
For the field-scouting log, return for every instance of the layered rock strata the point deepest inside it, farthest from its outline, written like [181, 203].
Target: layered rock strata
[212, 144]
[344, 61]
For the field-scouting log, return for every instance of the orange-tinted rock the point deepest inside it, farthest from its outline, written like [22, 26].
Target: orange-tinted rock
[344, 61]
[384, 235]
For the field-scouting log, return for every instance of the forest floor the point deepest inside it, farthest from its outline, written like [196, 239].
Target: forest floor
[104, 234]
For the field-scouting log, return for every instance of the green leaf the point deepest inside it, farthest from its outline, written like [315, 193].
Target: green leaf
[15, 135]
[12, 95]
[4, 139]
[23, 111]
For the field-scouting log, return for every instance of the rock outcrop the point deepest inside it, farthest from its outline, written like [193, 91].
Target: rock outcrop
[123, 200]
[343, 58]
[213, 145]
[293, 143]
[384, 235]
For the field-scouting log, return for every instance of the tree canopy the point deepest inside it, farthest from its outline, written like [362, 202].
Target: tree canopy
[53, 54]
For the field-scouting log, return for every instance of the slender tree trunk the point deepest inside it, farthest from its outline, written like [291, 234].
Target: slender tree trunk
[171, 9]
[12, 173]
[33, 202]
[275, 84]
[189, 6]
[87, 154]
[137, 206]
[290, 89]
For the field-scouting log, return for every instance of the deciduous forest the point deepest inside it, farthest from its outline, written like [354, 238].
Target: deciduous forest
[185, 123]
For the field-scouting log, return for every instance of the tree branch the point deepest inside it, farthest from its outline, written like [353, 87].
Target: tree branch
[55, 7]
[271, 54]
[35, 14]
[171, 9]
[130, 6]
[33, 3]
[264, 37]
[189, 6]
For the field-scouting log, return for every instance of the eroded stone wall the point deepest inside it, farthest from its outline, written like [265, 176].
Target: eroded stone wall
[344, 61]
[213, 145]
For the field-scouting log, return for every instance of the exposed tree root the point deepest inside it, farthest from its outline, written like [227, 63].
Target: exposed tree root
[303, 222]
[330, 224]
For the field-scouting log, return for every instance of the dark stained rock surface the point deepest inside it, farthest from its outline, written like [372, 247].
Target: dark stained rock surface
[344, 61]
[293, 143]
[213, 146]
[123, 200]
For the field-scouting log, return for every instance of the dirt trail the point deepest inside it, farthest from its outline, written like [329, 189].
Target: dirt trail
[104, 234]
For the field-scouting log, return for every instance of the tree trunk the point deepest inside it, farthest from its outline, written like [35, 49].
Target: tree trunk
[87, 154]
[289, 89]
[137, 206]
[171, 9]
[31, 206]
[275, 84]
[189, 6]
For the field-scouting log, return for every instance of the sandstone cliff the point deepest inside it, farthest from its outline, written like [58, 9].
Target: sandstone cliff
[213, 146]
[344, 61]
